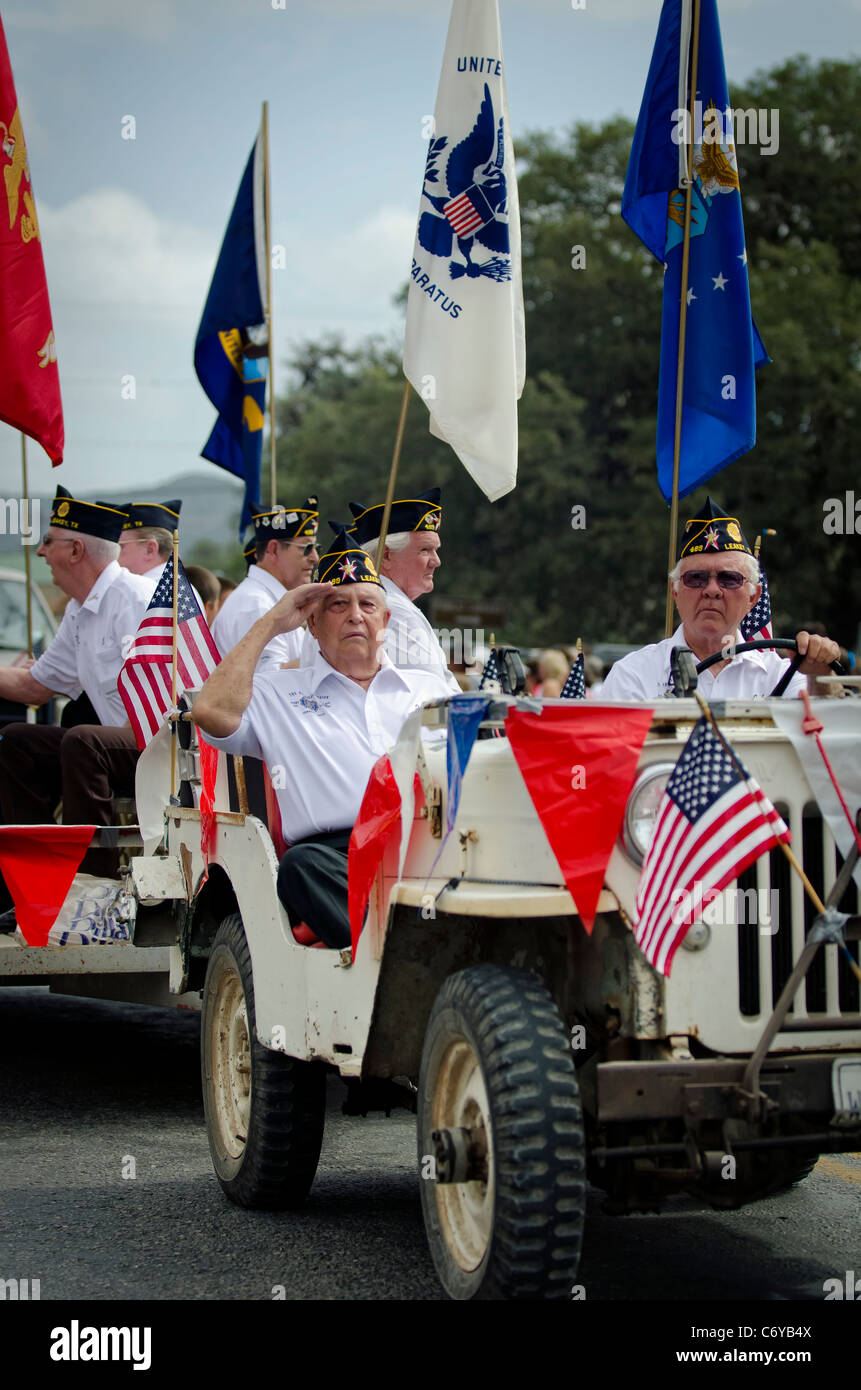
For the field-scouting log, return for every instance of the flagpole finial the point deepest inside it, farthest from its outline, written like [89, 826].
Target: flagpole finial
[579, 645]
[492, 640]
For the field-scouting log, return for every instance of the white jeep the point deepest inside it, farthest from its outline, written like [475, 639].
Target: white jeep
[535, 1055]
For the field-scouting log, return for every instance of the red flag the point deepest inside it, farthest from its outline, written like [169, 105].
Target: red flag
[38, 864]
[208, 772]
[379, 814]
[579, 765]
[29, 380]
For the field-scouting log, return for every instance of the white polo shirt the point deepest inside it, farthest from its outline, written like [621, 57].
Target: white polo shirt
[250, 600]
[645, 675]
[410, 641]
[320, 734]
[93, 640]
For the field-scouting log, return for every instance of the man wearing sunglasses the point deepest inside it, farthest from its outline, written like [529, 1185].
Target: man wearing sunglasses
[715, 583]
[286, 553]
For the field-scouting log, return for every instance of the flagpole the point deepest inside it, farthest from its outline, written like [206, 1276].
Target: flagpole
[683, 318]
[173, 682]
[393, 473]
[25, 499]
[267, 222]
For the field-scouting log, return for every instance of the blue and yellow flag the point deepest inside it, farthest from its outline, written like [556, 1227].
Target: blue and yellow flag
[233, 323]
[722, 345]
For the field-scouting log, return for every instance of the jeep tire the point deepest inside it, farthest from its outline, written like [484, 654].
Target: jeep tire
[264, 1111]
[497, 1069]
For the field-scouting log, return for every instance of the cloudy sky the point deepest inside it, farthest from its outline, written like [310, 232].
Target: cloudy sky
[131, 228]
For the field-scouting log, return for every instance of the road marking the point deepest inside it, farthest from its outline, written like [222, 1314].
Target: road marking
[835, 1169]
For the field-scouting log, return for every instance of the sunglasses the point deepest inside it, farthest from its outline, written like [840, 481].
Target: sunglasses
[306, 549]
[727, 579]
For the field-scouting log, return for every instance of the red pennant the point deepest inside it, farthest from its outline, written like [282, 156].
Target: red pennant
[208, 772]
[579, 765]
[38, 864]
[378, 816]
[29, 382]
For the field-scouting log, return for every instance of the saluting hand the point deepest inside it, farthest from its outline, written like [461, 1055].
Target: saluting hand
[292, 610]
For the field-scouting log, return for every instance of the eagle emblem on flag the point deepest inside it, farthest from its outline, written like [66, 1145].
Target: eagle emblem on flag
[472, 216]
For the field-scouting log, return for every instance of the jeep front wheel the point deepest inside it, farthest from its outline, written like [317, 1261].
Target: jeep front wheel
[500, 1139]
[264, 1111]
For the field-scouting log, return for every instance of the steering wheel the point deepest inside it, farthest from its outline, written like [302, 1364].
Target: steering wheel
[788, 644]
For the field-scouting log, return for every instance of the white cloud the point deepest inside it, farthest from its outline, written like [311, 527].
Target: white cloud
[346, 282]
[108, 247]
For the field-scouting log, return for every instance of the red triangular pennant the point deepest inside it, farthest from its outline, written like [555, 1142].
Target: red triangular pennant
[38, 864]
[579, 765]
[378, 816]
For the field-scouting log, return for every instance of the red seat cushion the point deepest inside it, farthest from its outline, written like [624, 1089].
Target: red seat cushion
[304, 935]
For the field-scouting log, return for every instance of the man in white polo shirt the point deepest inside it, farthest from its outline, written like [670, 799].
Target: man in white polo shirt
[715, 583]
[326, 724]
[406, 568]
[146, 543]
[286, 552]
[88, 764]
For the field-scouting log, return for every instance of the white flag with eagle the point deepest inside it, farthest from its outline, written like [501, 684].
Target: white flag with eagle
[464, 350]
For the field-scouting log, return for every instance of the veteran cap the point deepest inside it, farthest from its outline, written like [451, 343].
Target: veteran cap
[422, 513]
[87, 518]
[249, 554]
[711, 532]
[164, 514]
[345, 563]
[286, 523]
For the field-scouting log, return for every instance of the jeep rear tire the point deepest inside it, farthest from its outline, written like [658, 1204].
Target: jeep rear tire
[497, 1069]
[264, 1111]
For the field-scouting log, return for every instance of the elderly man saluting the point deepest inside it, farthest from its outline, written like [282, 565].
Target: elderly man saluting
[326, 724]
[715, 583]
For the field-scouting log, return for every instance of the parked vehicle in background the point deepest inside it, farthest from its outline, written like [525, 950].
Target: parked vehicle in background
[13, 637]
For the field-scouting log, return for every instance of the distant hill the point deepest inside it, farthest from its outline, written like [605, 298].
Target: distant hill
[210, 510]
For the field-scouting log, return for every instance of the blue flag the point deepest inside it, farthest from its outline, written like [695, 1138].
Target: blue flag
[465, 714]
[722, 345]
[233, 378]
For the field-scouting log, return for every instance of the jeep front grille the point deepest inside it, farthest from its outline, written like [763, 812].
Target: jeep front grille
[830, 995]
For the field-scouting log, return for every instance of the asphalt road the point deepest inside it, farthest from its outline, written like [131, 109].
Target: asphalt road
[86, 1087]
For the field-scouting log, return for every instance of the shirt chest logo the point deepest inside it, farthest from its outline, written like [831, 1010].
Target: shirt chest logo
[310, 704]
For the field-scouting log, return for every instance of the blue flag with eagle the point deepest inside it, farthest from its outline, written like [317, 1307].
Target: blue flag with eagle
[722, 345]
[229, 354]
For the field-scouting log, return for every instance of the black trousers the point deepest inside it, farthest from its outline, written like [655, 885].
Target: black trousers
[312, 885]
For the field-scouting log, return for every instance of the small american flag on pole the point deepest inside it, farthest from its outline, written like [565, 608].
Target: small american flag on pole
[712, 822]
[757, 623]
[575, 684]
[145, 681]
[490, 675]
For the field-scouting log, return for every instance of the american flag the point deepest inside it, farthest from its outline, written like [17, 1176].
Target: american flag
[465, 212]
[712, 822]
[757, 623]
[490, 675]
[145, 681]
[575, 685]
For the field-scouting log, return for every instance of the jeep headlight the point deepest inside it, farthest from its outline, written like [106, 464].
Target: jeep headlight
[642, 810]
